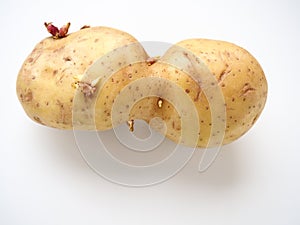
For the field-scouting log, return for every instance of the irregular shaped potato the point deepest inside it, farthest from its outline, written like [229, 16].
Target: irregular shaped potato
[99, 77]
[221, 67]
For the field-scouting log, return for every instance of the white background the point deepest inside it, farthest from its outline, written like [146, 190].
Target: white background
[255, 180]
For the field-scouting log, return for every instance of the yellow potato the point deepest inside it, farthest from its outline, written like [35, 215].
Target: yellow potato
[207, 92]
[48, 79]
[236, 75]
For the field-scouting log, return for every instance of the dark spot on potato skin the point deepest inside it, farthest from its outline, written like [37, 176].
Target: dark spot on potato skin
[254, 120]
[67, 58]
[27, 96]
[197, 96]
[38, 120]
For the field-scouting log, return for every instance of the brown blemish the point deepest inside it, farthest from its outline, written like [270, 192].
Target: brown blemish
[62, 112]
[197, 96]
[247, 89]
[254, 120]
[54, 72]
[67, 58]
[60, 79]
[27, 97]
[227, 54]
[38, 120]
[60, 104]
[224, 73]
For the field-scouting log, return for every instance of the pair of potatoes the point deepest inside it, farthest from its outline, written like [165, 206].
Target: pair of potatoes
[207, 92]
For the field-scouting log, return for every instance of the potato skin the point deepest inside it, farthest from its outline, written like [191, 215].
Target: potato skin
[44, 84]
[238, 74]
[241, 80]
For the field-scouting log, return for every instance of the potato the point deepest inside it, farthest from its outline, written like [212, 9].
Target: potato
[47, 81]
[225, 68]
[238, 76]
[207, 92]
